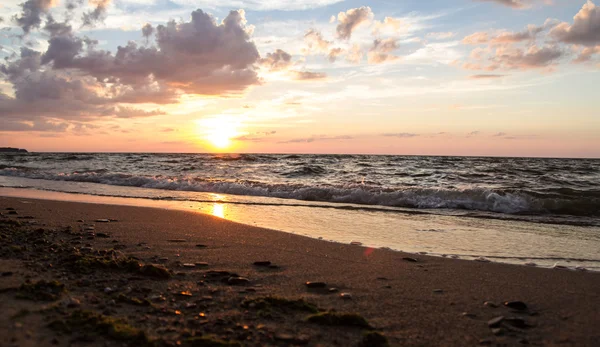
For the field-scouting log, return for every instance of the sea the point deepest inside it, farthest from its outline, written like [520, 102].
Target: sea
[530, 211]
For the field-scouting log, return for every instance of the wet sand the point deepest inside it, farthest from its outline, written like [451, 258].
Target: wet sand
[108, 293]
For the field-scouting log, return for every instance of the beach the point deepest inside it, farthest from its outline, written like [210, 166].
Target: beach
[207, 287]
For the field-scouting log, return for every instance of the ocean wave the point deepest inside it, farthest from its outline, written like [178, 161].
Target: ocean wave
[507, 201]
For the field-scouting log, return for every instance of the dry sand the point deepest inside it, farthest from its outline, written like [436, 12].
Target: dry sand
[431, 302]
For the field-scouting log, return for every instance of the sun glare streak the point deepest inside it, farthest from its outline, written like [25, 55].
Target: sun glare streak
[218, 210]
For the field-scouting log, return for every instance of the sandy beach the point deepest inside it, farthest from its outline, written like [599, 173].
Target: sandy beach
[143, 276]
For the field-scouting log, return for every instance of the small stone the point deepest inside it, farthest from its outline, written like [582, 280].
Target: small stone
[190, 305]
[454, 256]
[497, 331]
[494, 322]
[188, 265]
[201, 264]
[333, 290]
[108, 290]
[516, 305]
[482, 260]
[176, 240]
[412, 260]
[316, 284]
[356, 243]
[438, 291]
[72, 302]
[516, 322]
[262, 263]
[490, 304]
[102, 220]
[236, 281]
[184, 293]
[346, 296]
[89, 229]
[468, 315]
[163, 259]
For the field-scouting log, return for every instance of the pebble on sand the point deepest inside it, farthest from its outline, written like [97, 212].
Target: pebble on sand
[412, 260]
[235, 281]
[102, 220]
[346, 296]
[316, 284]
[176, 240]
[516, 305]
[494, 322]
[262, 263]
[356, 243]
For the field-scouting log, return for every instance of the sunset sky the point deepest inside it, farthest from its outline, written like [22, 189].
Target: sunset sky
[465, 77]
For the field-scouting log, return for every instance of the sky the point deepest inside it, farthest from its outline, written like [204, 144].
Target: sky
[438, 77]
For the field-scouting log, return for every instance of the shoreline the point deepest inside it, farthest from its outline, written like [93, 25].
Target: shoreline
[434, 301]
[437, 235]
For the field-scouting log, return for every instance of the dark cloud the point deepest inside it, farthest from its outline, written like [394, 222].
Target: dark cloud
[585, 29]
[197, 57]
[308, 75]
[98, 14]
[57, 28]
[147, 31]
[32, 12]
[276, 61]
[350, 20]
[515, 58]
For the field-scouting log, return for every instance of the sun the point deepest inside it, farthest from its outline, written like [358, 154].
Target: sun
[218, 130]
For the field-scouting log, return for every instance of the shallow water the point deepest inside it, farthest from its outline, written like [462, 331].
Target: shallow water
[410, 230]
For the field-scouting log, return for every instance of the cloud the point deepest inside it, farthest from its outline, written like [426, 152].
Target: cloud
[350, 20]
[486, 76]
[315, 42]
[90, 18]
[388, 24]
[476, 38]
[500, 134]
[308, 75]
[585, 29]
[473, 133]
[355, 54]
[71, 80]
[586, 54]
[147, 30]
[334, 53]
[57, 28]
[197, 57]
[259, 5]
[517, 4]
[31, 14]
[276, 61]
[381, 49]
[400, 135]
